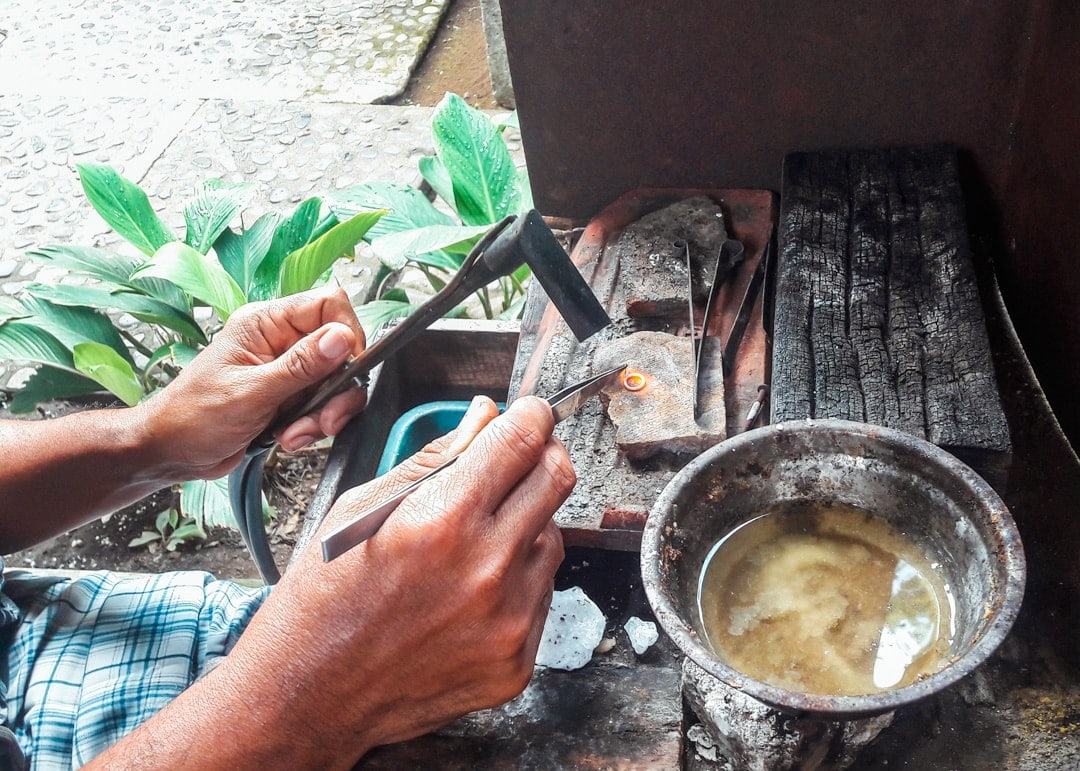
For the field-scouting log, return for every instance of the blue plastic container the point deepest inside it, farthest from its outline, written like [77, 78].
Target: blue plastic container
[417, 427]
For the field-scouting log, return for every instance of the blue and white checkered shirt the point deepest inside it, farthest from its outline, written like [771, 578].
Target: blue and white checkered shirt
[90, 659]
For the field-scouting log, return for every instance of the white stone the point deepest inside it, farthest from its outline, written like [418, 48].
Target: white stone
[642, 634]
[574, 627]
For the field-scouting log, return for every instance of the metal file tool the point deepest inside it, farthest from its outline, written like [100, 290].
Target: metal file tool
[563, 404]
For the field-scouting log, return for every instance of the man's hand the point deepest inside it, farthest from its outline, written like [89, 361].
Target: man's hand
[438, 614]
[60, 473]
[267, 358]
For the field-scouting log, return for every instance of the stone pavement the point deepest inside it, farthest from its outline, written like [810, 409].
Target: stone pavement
[174, 92]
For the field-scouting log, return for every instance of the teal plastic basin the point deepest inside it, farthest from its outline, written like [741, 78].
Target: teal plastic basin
[417, 427]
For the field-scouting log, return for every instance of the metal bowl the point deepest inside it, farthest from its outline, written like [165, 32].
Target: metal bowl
[923, 491]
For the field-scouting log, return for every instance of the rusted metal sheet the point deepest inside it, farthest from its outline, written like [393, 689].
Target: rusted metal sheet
[611, 487]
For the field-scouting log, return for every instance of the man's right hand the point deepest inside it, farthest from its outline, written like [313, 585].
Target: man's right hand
[438, 614]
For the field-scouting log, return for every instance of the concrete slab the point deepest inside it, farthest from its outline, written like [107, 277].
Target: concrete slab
[359, 51]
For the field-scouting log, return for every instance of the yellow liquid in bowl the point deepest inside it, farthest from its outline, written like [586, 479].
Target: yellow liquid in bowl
[825, 600]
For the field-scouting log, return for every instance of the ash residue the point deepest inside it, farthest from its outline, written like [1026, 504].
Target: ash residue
[653, 266]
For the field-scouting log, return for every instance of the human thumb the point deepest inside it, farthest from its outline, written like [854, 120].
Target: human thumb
[312, 358]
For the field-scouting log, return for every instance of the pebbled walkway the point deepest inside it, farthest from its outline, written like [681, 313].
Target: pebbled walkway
[172, 92]
[358, 51]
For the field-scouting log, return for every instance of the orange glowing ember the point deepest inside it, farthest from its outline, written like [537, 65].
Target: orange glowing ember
[634, 380]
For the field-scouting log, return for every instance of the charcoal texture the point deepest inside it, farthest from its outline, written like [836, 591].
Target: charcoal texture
[877, 312]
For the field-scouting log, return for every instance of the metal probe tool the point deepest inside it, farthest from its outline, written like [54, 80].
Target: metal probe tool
[563, 404]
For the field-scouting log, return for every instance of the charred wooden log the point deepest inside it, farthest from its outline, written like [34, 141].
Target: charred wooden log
[877, 311]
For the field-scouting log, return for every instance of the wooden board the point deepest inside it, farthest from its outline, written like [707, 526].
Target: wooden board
[877, 311]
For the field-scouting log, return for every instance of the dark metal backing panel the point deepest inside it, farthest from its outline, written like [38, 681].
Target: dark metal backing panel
[616, 97]
[1040, 273]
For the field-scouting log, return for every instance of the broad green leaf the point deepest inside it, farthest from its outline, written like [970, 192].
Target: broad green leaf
[23, 341]
[103, 365]
[242, 253]
[177, 354]
[211, 210]
[323, 226]
[108, 267]
[303, 267]
[183, 534]
[112, 270]
[206, 501]
[406, 207]
[11, 309]
[478, 161]
[142, 307]
[436, 175]
[524, 186]
[440, 246]
[147, 537]
[73, 324]
[51, 383]
[124, 207]
[374, 314]
[165, 291]
[198, 275]
[161, 522]
[290, 235]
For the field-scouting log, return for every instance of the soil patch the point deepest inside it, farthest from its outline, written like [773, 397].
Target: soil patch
[455, 61]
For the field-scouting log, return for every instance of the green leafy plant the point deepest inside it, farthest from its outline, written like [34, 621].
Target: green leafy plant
[171, 529]
[476, 185]
[182, 290]
[72, 330]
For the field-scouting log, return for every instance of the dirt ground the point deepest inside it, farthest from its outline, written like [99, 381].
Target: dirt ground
[456, 61]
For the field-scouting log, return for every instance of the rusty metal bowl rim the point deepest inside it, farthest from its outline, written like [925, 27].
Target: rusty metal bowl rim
[834, 707]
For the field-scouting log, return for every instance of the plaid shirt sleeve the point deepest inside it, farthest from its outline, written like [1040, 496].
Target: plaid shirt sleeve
[94, 657]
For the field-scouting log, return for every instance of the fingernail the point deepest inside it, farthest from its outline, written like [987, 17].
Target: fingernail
[475, 406]
[469, 426]
[299, 442]
[334, 343]
[339, 424]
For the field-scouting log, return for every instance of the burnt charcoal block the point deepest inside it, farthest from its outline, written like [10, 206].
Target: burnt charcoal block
[877, 310]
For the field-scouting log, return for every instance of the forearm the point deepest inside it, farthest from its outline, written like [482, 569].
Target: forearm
[61, 472]
[237, 718]
[382, 645]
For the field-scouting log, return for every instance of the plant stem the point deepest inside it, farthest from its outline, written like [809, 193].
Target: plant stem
[136, 344]
[485, 301]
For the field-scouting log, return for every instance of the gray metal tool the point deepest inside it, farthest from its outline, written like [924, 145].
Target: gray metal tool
[731, 252]
[516, 241]
[563, 404]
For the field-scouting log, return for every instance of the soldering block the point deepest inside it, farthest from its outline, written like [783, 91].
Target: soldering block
[660, 415]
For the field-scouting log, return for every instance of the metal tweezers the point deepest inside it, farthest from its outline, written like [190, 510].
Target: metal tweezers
[563, 404]
[730, 252]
